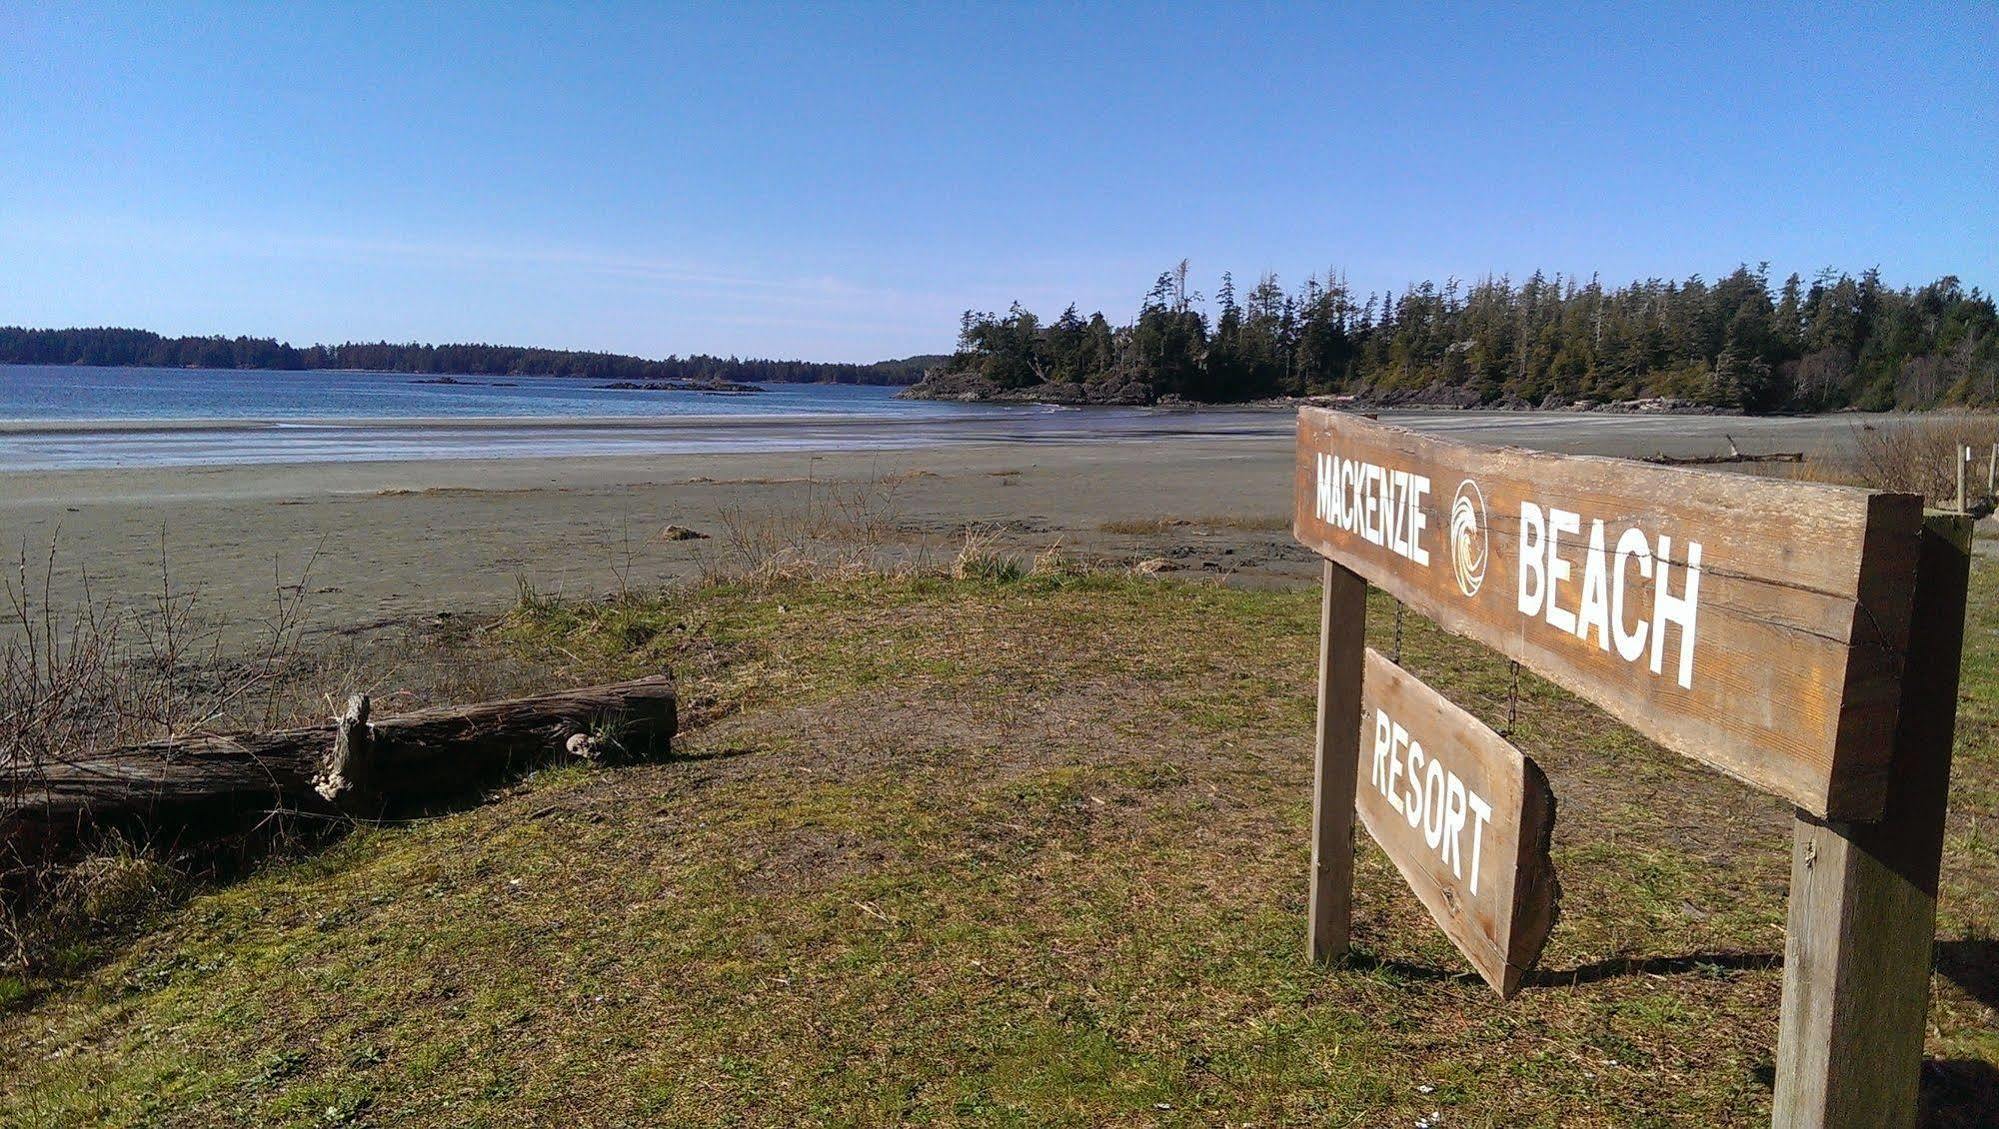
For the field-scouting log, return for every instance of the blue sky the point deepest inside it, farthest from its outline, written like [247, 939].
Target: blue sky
[838, 182]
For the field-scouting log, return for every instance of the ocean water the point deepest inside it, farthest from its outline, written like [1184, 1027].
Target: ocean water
[72, 392]
[60, 417]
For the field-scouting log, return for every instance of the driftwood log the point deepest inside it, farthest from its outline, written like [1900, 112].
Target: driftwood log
[1718, 460]
[174, 789]
[1735, 455]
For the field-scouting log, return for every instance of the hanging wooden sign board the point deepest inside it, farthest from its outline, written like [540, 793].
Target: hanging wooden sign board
[1464, 816]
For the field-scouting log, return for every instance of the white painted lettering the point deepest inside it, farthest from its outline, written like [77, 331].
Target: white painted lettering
[1370, 527]
[1533, 576]
[1454, 824]
[1631, 545]
[1394, 768]
[1429, 796]
[1377, 775]
[1595, 612]
[1560, 521]
[1322, 495]
[1681, 610]
[1483, 811]
[1412, 797]
[1434, 803]
[1398, 523]
[1419, 485]
[1384, 506]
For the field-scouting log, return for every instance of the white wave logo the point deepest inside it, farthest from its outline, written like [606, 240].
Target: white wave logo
[1468, 545]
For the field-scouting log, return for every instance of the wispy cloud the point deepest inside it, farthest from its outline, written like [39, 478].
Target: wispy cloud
[144, 237]
[587, 296]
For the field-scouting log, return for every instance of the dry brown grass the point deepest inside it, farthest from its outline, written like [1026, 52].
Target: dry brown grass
[838, 531]
[833, 529]
[1921, 455]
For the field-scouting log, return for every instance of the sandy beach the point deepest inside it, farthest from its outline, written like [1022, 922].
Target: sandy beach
[395, 542]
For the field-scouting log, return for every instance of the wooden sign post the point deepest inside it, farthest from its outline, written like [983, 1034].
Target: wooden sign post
[1864, 895]
[1761, 627]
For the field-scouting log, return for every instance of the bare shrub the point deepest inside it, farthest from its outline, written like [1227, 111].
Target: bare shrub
[58, 686]
[1920, 456]
[184, 675]
[80, 676]
[1822, 377]
[840, 529]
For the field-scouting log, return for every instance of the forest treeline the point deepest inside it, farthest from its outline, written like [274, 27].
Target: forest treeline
[1737, 342]
[130, 347]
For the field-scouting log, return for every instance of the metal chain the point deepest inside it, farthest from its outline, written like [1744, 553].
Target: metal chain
[1513, 700]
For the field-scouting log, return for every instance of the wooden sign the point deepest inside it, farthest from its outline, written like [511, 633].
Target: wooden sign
[1758, 626]
[1465, 817]
[1804, 638]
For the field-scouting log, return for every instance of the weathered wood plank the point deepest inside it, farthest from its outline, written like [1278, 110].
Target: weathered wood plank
[1755, 625]
[1863, 896]
[1342, 638]
[1466, 818]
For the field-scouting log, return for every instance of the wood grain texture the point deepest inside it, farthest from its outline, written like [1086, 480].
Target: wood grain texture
[1342, 637]
[1863, 895]
[1802, 620]
[1476, 848]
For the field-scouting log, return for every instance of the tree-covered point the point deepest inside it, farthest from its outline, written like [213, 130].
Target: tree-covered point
[1736, 342]
[137, 347]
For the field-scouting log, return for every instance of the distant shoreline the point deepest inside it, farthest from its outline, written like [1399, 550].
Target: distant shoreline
[418, 377]
[171, 447]
[111, 347]
[423, 423]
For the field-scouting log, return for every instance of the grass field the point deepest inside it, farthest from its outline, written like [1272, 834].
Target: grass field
[1008, 849]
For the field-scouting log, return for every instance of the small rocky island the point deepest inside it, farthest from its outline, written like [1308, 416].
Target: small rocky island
[716, 387]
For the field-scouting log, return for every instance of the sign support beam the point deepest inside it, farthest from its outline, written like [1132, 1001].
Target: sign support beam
[1342, 658]
[1863, 895]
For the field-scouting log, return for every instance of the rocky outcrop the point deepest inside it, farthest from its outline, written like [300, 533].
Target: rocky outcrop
[1458, 397]
[970, 387]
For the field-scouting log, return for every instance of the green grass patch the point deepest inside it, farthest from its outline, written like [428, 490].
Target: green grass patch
[1012, 849]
